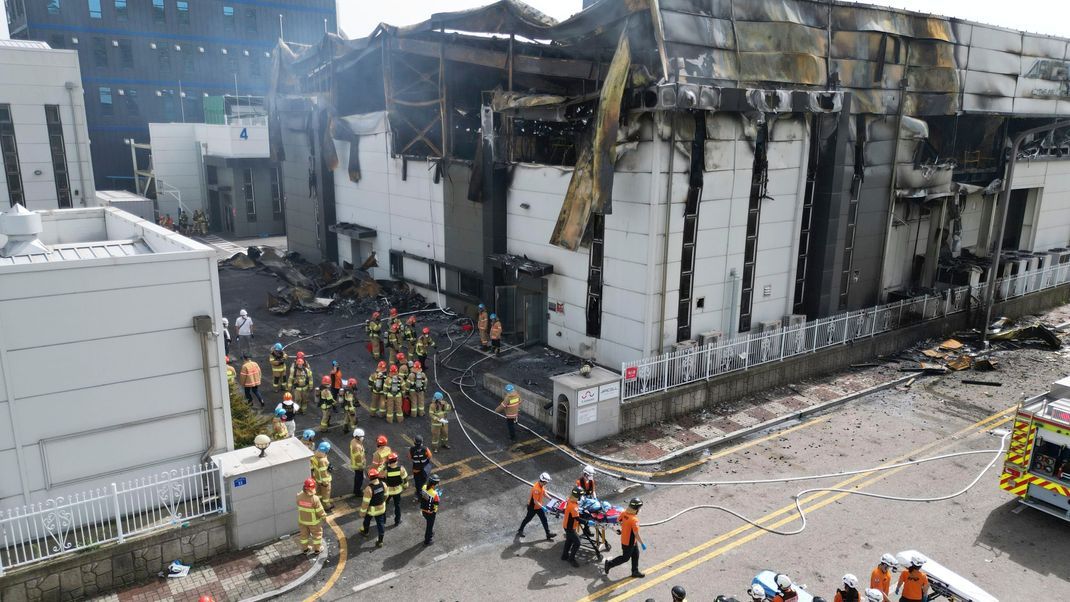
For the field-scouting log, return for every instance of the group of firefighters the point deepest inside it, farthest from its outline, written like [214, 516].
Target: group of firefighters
[912, 586]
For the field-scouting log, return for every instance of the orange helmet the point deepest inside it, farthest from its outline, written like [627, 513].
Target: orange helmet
[300, 355]
[411, 320]
[417, 366]
[375, 315]
[326, 380]
[310, 483]
[394, 369]
[352, 383]
[393, 312]
[373, 474]
[381, 440]
[427, 330]
[381, 366]
[392, 458]
[287, 396]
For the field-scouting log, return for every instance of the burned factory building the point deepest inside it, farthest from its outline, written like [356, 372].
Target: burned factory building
[653, 172]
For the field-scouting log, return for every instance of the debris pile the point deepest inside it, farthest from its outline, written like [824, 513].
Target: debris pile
[324, 286]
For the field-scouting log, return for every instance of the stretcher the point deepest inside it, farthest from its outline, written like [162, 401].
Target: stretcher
[603, 514]
[945, 582]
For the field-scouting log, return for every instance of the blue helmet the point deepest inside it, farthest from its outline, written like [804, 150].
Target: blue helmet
[324, 446]
[481, 306]
[509, 388]
[280, 412]
[493, 316]
[308, 434]
[334, 363]
[278, 346]
[438, 395]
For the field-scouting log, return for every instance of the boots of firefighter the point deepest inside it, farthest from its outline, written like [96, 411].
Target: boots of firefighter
[399, 408]
[325, 418]
[418, 403]
[446, 435]
[315, 533]
[389, 408]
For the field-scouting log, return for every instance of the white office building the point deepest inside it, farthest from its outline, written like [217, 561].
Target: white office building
[44, 142]
[110, 365]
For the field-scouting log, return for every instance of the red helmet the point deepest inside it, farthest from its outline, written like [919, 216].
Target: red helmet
[381, 440]
[226, 358]
[352, 382]
[411, 320]
[392, 458]
[394, 327]
[206, 599]
[310, 483]
[381, 366]
[300, 361]
[373, 474]
[326, 380]
[400, 357]
[300, 355]
[287, 396]
[394, 369]
[393, 311]
[417, 366]
[375, 315]
[427, 330]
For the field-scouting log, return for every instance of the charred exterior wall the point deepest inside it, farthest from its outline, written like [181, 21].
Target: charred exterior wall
[304, 221]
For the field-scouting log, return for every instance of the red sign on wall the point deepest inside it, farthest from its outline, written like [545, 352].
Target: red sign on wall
[631, 373]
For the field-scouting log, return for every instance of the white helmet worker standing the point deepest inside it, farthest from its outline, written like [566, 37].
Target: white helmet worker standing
[881, 577]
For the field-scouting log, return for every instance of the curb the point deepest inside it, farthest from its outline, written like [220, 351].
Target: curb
[317, 564]
[750, 430]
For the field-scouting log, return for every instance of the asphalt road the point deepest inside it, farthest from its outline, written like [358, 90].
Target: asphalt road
[983, 535]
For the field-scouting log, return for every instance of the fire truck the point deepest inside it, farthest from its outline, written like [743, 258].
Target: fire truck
[1037, 466]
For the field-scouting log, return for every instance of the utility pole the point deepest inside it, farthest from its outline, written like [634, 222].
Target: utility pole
[1004, 202]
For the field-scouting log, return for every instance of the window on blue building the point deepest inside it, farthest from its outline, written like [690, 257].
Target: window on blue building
[94, 9]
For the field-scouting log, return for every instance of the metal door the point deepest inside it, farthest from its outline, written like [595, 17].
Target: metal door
[505, 307]
[534, 318]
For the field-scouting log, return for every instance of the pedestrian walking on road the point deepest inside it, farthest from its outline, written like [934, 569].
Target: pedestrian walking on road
[881, 577]
[630, 540]
[510, 408]
[356, 460]
[495, 334]
[429, 500]
[244, 326]
[483, 323]
[848, 592]
[250, 380]
[536, 508]
[421, 464]
[913, 583]
[440, 428]
[571, 522]
[310, 517]
[397, 479]
[373, 506]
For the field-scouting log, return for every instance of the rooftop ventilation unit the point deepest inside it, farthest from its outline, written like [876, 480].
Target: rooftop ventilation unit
[21, 228]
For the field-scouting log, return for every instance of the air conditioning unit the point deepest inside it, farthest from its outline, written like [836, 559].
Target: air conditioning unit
[1059, 255]
[794, 321]
[769, 101]
[794, 334]
[770, 343]
[712, 337]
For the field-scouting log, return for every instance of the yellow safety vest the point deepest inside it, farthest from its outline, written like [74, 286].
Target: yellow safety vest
[396, 479]
[232, 375]
[309, 509]
[356, 455]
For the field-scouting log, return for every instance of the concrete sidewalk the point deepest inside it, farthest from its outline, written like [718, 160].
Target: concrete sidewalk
[257, 573]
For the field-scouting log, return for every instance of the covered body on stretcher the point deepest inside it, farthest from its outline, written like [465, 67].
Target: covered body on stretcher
[591, 509]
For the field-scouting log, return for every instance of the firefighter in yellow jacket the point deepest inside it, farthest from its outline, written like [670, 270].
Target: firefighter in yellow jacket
[373, 506]
[321, 472]
[356, 460]
[310, 517]
[382, 452]
[408, 332]
[417, 385]
[510, 407]
[440, 431]
[278, 425]
[394, 340]
[393, 393]
[277, 360]
[397, 479]
[326, 402]
[375, 340]
[232, 378]
[377, 385]
[424, 345]
[350, 405]
[483, 323]
[300, 380]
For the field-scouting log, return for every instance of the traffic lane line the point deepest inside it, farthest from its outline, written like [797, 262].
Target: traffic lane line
[789, 508]
[985, 424]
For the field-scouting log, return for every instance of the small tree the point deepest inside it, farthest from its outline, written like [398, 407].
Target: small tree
[245, 422]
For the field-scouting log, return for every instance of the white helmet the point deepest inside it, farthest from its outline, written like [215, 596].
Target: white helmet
[545, 478]
[588, 471]
[226, 322]
[757, 592]
[783, 582]
[874, 595]
[850, 581]
[243, 313]
[917, 561]
[888, 559]
[358, 433]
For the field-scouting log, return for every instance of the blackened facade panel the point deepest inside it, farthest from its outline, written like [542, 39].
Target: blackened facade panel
[146, 60]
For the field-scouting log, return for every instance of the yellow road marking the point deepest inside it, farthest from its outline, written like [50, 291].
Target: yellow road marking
[788, 508]
[759, 533]
[513, 460]
[343, 552]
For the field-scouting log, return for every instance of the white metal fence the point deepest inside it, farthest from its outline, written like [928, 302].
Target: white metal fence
[63, 525]
[741, 351]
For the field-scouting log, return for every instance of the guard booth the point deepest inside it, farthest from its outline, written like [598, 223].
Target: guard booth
[586, 408]
[521, 302]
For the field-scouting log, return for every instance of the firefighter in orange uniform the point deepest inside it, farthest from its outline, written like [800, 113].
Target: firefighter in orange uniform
[630, 541]
[535, 507]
